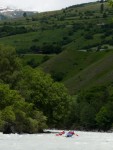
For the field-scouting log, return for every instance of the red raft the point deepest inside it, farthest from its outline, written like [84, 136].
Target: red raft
[60, 133]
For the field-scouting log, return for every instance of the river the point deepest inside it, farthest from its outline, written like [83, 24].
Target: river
[85, 141]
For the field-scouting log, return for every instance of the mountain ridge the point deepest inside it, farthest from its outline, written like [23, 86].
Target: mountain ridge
[9, 12]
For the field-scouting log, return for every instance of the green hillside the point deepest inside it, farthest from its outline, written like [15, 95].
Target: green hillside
[98, 73]
[65, 28]
[70, 44]
[41, 55]
[78, 70]
[70, 62]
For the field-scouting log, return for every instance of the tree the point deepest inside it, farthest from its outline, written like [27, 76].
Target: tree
[50, 97]
[110, 2]
[102, 8]
[19, 116]
[87, 117]
[25, 14]
[87, 105]
[105, 117]
[8, 114]
[9, 63]
[8, 97]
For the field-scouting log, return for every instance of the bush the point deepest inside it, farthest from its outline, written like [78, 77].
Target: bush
[15, 115]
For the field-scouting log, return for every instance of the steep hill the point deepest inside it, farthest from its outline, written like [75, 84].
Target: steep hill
[80, 70]
[98, 73]
[74, 44]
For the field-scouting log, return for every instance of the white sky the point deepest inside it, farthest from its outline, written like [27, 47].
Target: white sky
[41, 5]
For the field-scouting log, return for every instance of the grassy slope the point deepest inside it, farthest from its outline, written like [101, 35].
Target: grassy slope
[36, 58]
[55, 28]
[25, 41]
[71, 62]
[79, 69]
[98, 73]
[82, 69]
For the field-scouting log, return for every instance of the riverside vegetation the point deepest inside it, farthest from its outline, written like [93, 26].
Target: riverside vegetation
[56, 70]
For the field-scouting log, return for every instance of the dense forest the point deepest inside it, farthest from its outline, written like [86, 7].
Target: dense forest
[56, 70]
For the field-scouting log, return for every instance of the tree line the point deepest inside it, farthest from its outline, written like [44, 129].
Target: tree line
[30, 100]
[92, 109]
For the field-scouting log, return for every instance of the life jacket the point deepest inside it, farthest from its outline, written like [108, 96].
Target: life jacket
[70, 134]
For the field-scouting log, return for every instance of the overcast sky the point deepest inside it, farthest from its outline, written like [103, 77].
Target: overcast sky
[41, 5]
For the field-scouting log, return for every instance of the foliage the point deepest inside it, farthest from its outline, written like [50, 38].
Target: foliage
[9, 63]
[16, 113]
[110, 2]
[48, 96]
[92, 109]
[29, 98]
[105, 117]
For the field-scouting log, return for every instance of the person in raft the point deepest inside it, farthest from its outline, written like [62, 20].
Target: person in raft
[70, 134]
